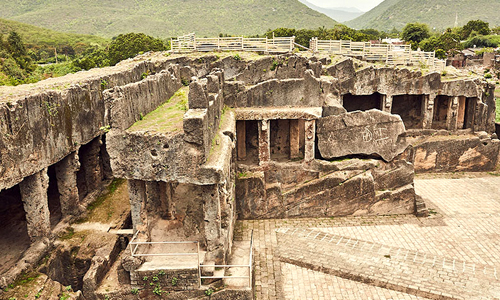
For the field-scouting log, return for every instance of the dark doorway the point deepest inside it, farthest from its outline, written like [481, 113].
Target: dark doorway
[441, 107]
[53, 197]
[410, 109]
[14, 239]
[280, 139]
[362, 102]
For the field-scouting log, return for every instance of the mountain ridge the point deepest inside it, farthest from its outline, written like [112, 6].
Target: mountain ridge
[167, 18]
[439, 14]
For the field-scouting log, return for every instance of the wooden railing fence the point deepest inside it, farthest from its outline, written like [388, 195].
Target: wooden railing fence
[190, 43]
[388, 53]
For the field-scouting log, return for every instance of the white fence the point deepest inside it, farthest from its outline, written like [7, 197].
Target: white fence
[190, 43]
[388, 53]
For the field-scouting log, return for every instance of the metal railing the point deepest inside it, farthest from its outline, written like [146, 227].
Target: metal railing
[249, 266]
[388, 53]
[190, 43]
[134, 247]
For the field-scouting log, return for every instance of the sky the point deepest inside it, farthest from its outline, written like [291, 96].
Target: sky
[363, 5]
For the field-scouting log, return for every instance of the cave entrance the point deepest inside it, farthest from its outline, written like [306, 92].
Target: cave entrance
[247, 133]
[410, 109]
[54, 197]
[287, 139]
[441, 107]
[90, 175]
[466, 108]
[362, 102]
[14, 239]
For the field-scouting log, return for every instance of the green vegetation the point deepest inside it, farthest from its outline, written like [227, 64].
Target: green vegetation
[164, 19]
[337, 32]
[167, 117]
[18, 60]
[439, 14]
[497, 100]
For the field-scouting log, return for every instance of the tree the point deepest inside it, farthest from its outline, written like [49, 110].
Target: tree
[415, 32]
[481, 27]
[130, 44]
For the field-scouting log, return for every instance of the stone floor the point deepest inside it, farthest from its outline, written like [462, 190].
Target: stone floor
[453, 254]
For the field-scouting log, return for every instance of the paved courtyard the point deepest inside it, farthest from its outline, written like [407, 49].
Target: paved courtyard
[452, 254]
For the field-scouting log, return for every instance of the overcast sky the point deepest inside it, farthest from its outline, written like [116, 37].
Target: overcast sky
[363, 5]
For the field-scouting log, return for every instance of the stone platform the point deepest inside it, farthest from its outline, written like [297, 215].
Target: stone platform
[453, 254]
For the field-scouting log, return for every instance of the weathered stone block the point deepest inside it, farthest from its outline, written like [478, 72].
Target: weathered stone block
[197, 97]
[365, 133]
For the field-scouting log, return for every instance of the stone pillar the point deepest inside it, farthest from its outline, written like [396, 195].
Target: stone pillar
[264, 142]
[310, 135]
[36, 204]
[138, 198]
[451, 118]
[294, 139]
[241, 139]
[66, 171]
[212, 218]
[387, 103]
[428, 111]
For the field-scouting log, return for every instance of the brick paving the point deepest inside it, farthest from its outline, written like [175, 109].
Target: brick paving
[463, 229]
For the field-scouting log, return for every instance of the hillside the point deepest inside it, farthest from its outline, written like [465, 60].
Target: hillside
[41, 37]
[340, 15]
[164, 18]
[440, 14]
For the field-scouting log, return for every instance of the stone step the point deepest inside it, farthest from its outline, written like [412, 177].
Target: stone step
[398, 269]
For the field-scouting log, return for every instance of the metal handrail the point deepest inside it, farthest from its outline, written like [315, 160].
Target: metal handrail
[133, 251]
[249, 266]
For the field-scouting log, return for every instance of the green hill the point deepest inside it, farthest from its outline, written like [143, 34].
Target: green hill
[440, 14]
[164, 18]
[40, 37]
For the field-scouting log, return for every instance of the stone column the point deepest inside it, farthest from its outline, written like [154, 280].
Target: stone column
[212, 218]
[428, 111]
[138, 198]
[451, 118]
[310, 134]
[264, 142]
[66, 171]
[36, 204]
[294, 139]
[241, 139]
[387, 103]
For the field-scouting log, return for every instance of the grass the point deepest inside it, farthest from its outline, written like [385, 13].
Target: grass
[167, 117]
[105, 206]
[497, 99]
[39, 37]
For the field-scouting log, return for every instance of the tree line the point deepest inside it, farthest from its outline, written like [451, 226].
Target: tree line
[20, 63]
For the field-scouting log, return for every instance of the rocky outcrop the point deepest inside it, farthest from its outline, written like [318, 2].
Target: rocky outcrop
[456, 154]
[361, 133]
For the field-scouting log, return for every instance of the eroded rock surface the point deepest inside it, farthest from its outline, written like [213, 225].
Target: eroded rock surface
[361, 133]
